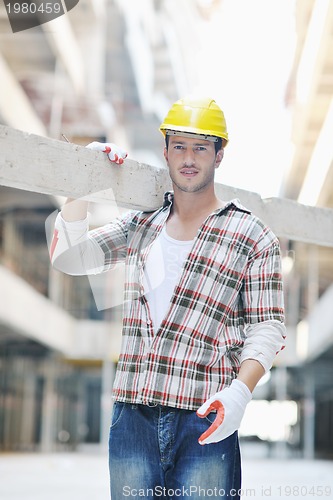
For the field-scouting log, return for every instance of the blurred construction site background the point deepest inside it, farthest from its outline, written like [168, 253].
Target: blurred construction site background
[108, 70]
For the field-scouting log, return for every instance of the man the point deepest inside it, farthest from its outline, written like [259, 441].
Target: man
[202, 320]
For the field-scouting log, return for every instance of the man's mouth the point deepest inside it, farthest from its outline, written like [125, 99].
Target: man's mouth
[189, 172]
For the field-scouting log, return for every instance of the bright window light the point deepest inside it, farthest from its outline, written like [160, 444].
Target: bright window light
[319, 164]
[310, 50]
[269, 420]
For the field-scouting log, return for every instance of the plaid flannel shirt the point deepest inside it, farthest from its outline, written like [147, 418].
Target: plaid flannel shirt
[230, 279]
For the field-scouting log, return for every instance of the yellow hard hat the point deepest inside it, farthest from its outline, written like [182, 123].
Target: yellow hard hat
[196, 116]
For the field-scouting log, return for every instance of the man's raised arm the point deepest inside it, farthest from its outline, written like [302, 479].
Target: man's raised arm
[72, 251]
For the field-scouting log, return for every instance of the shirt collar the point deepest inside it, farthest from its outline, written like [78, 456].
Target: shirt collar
[234, 203]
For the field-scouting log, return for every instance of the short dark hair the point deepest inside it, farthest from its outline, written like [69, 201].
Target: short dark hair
[218, 145]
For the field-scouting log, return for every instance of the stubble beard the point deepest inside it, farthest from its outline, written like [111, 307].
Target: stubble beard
[194, 188]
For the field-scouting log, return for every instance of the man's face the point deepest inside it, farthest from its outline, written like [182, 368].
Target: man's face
[192, 162]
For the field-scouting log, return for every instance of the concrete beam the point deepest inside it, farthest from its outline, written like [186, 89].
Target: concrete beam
[48, 166]
[38, 319]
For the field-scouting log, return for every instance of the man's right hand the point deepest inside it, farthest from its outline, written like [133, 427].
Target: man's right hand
[76, 210]
[115, 153]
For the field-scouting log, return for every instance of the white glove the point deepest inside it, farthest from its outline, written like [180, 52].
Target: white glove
[115, 153]
[230, 404]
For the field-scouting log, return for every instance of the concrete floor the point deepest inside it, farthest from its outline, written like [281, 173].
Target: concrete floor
[84, 476]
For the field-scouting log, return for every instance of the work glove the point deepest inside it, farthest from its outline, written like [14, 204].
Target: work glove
[115, 153]
[230, 404]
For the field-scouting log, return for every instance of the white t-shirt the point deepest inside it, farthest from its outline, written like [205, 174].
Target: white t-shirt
[162, 273]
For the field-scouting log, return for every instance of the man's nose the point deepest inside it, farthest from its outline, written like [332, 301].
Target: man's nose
[189, 157]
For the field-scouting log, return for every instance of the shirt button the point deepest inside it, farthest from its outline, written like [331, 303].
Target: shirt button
[149, 322]
[152, 350]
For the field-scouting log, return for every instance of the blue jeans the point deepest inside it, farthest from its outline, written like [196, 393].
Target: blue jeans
[154, 453]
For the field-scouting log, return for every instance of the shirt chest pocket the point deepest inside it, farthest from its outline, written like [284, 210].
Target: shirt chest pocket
[225, 262]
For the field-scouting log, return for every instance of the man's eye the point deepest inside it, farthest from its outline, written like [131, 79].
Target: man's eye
[201, 148]
[178, 146]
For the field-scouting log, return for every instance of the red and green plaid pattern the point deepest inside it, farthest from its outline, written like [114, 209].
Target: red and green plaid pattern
[230, 278]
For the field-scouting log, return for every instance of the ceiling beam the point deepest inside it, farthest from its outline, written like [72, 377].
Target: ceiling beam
[64, 44]
[15, 106]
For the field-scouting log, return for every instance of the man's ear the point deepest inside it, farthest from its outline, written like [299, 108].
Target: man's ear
[165, 153]
[219, 157]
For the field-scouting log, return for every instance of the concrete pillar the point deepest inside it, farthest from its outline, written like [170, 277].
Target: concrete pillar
[293, 287]
[49, 406]
[309, 415]
[57, 101]
[281, 378]
[313, 276]
[10, 241]
[28, 408]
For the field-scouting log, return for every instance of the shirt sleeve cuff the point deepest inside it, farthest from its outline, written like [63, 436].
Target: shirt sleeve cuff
[263, 342]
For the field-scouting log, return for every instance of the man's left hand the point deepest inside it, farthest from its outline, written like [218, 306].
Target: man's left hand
[230, 404]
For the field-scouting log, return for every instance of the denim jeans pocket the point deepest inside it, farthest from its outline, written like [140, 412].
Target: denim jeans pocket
[117, 411]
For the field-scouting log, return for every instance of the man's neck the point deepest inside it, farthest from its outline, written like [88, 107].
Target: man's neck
[188, 213]
[189, 206]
